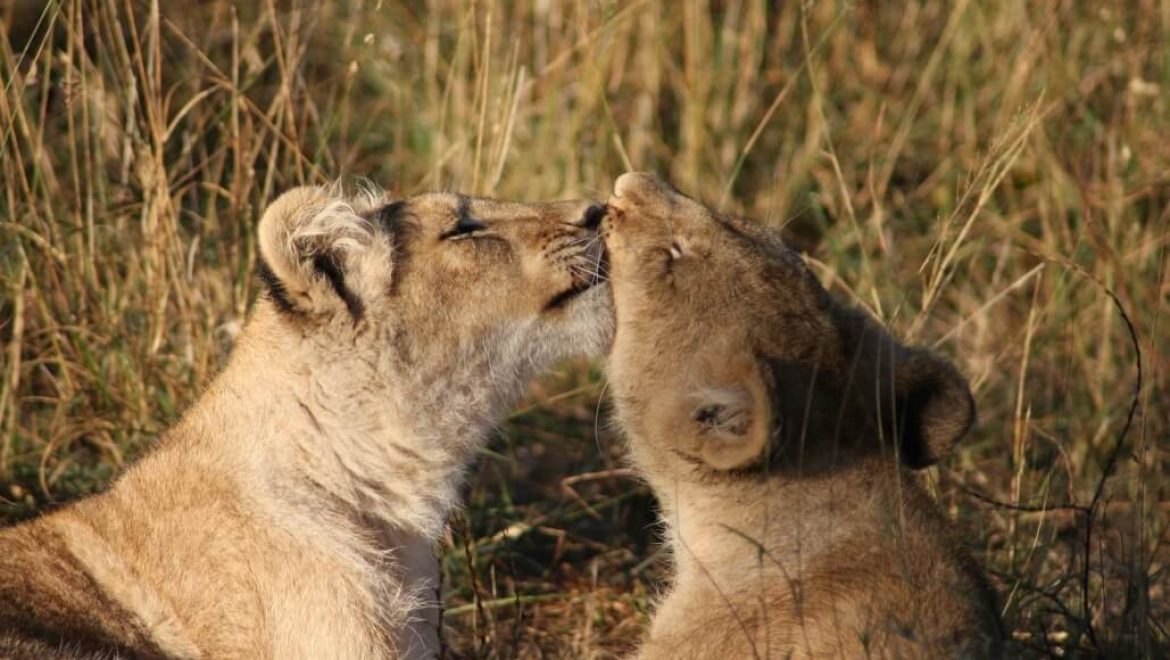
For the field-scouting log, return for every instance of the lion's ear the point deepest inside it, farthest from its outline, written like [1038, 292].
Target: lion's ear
[729, 415]
[935, 406]
[318, 255]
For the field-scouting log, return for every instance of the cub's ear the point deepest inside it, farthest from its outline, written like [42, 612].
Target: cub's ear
[319, 256]
[935, 406]
[728, 417]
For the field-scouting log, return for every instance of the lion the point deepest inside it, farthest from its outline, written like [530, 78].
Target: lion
[293, 511]
[779, 429]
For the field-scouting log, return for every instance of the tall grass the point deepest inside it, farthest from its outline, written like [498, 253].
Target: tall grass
[991, 179]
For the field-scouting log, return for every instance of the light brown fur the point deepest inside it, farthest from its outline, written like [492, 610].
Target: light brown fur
[778, 430]
[292, 512]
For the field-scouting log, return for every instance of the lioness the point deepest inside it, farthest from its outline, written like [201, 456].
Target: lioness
[778, 430]
[293, 510]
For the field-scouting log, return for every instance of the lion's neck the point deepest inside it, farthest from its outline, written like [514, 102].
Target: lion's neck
[350, 434]
[780, 525]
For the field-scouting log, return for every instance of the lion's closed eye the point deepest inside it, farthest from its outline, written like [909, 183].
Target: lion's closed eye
[465, 227]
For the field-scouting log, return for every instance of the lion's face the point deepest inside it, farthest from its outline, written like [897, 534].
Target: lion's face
[462, 295]
[473, 267]
[728, 349]
[685, 276]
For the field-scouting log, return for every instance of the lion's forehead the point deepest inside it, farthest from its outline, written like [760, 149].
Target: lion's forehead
[443, 206]
[434, 204]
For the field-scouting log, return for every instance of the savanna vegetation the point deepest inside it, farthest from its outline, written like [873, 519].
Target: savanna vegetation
[988, 178]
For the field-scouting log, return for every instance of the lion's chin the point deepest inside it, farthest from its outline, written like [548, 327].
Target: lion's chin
[587, 317]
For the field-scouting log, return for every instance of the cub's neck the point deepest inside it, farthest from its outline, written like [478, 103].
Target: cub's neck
[719, 523]
[332, 428]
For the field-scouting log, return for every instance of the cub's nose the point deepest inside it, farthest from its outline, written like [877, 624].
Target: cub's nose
[593, 216]
[640, 186]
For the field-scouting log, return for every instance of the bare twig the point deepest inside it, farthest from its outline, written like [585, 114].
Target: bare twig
[1090, 510]
[568, 482]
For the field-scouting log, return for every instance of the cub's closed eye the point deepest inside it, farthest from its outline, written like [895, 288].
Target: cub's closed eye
[466, 226]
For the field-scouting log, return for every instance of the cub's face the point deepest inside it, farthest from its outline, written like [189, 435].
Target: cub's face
[729, 353]
[472, 269]
[477, 288]
[688, 281]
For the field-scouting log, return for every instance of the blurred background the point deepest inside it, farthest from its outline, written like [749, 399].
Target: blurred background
[991, 179]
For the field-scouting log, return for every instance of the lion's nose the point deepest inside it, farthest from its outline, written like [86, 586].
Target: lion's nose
[639, 185]
[593, 216]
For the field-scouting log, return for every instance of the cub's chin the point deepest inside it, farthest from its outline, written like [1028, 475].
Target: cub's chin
[588, 319]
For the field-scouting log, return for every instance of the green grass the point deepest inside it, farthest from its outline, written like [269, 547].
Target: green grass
[989, 178]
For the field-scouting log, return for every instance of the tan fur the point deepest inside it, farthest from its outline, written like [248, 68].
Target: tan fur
[778, 430]
[292, 512]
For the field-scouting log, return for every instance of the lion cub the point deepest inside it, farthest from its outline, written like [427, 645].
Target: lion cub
[291, 513]
[778, 430]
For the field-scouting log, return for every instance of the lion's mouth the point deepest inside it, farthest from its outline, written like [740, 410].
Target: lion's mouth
[588, 271]
[561, 299]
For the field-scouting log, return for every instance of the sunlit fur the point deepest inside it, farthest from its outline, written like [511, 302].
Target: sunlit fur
[778, 430]
[292, 512]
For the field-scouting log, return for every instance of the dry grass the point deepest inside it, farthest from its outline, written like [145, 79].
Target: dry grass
[989, 178]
